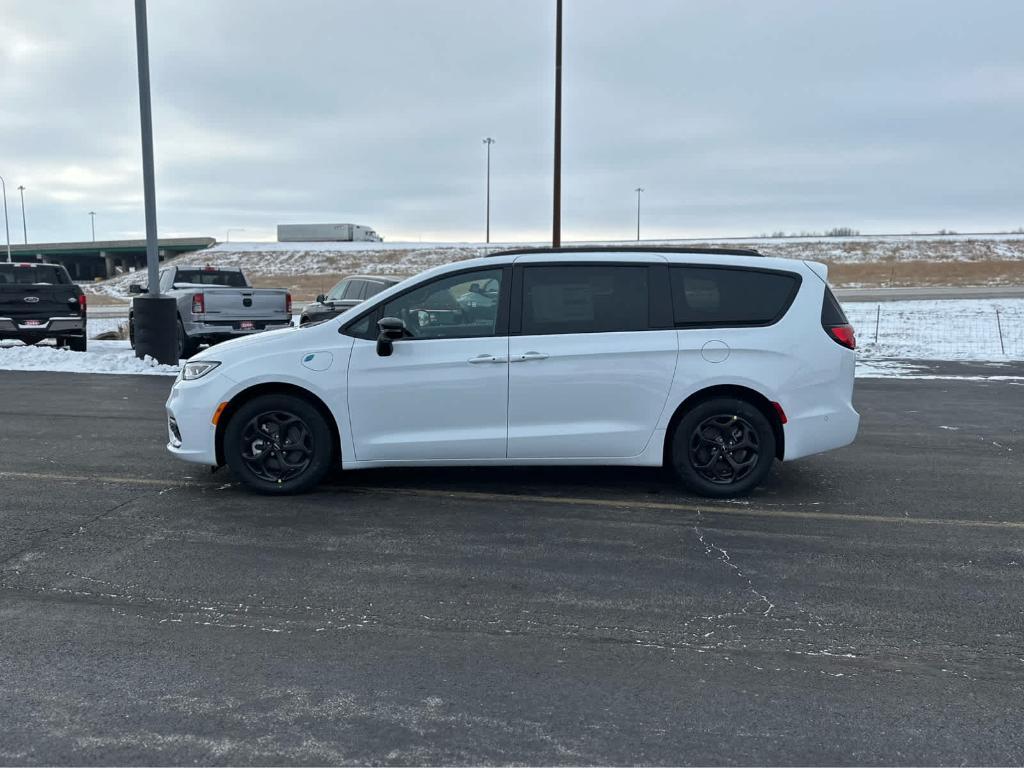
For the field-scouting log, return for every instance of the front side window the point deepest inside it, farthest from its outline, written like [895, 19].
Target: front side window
[583, 298]
[712, 296]
[458, 306]
[338, 290]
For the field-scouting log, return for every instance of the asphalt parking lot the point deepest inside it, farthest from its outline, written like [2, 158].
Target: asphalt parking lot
[866, 607]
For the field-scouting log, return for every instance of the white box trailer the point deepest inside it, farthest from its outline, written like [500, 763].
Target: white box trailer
[314, 233]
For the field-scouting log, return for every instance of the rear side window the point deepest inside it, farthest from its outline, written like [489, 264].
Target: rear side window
[32, 274]
[582, 298]
[372, 289]
[831, 312]
[723, 296]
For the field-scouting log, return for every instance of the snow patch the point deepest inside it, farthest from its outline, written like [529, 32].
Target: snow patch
[102, 357]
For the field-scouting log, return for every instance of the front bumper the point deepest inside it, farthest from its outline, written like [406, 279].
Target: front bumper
[191, 433]
[54, 325]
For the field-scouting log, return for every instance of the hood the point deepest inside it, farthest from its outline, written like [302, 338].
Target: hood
[230, 349]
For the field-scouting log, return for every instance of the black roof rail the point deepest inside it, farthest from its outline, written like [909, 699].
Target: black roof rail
[628, 249]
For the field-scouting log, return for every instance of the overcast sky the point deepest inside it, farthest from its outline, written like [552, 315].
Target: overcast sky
[737, 117]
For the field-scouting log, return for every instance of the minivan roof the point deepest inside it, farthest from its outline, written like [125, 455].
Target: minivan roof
[629, 249]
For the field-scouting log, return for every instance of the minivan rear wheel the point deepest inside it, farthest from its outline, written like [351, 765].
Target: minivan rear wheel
[278, 444]
[723, 447]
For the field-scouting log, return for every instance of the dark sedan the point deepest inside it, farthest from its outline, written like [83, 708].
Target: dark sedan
[347, 293]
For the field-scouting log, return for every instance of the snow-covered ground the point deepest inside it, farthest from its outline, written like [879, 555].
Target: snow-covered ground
[102, 357]
[959, 329]
[290, 260]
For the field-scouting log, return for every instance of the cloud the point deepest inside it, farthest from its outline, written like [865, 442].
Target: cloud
[737, 116]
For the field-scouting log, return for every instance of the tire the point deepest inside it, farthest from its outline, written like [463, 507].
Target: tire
[186, 346]
[258, 433]
[78, 344]
[723, 447]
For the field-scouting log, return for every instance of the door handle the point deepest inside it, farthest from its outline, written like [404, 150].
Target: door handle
[531, 356]
[486, 359]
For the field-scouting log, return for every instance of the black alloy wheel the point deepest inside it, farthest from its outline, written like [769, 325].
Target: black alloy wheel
[723, 447]
[278, 444]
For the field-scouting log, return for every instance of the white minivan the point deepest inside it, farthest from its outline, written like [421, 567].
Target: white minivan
[711, 362]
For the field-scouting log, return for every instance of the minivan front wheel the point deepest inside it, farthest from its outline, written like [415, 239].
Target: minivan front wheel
[723, 447]
[278, 444]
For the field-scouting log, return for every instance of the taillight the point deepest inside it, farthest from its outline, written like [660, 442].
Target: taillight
[81, 304]
[288, 303]
[198, 304]
[842, 334]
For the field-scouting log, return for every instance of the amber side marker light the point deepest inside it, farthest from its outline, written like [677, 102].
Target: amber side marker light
[218, 412]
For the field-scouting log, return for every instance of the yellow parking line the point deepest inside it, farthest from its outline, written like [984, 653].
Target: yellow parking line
[707, 509]
[96, 479]
[626, 504]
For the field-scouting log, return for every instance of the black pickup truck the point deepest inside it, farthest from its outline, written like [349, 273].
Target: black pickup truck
[39, 301]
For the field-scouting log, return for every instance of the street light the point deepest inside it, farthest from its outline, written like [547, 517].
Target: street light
[227, 237]
[488, 141]
[24, 227]
[92, 220]
[638, 190]
[3, 184]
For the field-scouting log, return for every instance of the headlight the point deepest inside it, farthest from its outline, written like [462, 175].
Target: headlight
[198, 369]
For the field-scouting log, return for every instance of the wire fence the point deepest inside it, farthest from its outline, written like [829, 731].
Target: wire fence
[941, 332]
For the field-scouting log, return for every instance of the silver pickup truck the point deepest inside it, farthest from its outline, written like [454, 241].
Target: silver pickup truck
[215, 304]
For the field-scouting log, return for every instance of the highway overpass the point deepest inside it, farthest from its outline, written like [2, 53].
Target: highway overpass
[103, 258]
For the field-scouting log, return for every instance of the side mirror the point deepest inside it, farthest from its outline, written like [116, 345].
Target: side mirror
[136, 288]
[320, 299]
[391, 329]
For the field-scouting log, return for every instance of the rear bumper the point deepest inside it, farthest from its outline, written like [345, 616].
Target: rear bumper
[822, 431]
[215, 331]
[16, 328]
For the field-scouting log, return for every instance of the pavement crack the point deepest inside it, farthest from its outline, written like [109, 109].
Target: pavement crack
[78, 528]
[725, 559]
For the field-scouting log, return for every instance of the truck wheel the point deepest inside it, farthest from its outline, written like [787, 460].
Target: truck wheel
[278, 445]
[77, 344]
[186, 346]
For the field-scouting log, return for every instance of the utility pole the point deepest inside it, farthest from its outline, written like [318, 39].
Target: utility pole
[24, 226]
[638, 191]
[556, 213]
[3, 185]
[488, 141]
[92, 219]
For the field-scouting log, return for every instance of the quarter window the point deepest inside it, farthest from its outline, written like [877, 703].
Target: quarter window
[584, 298]
[459, 306]
[711, 296]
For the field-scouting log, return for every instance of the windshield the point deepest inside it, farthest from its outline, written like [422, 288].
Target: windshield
[231, 279]
[32, 274]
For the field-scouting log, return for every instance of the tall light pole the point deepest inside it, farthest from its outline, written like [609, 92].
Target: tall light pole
[227, 235]
[638, 190]
[155, 316]
[24, 226]
[488, 141]
[3, 184]
[92, 220]
[556, 213]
